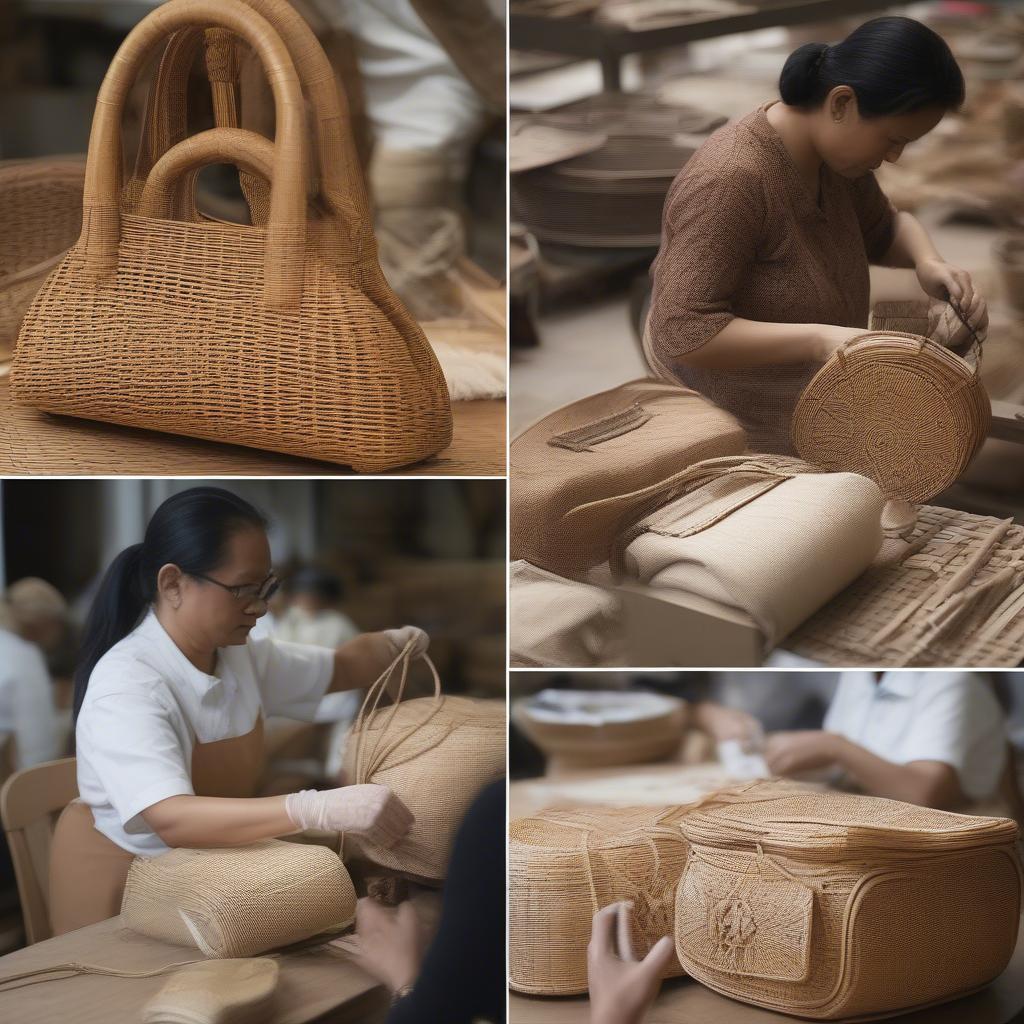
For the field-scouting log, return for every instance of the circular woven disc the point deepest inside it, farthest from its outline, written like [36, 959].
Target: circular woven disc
[896, 408]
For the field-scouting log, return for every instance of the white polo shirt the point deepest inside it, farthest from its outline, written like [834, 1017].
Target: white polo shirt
[951, 717]
[26, 702]
[147, 705]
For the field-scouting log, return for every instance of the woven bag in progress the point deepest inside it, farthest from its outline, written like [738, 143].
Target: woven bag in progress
[281, 335]
[841, 907]
[240, 901]
[587, 470]
[435, 754]
[897, 408]
[565, 865]
[216, 992]
[593, 729]
[767, 535]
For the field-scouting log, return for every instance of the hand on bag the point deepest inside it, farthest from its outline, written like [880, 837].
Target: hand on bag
[833, 338]
[942, 280]
[398, 638]
[948, 330]
[722, 723]
[388, 943]
[622, 988]
[371, 811]
[789, 753]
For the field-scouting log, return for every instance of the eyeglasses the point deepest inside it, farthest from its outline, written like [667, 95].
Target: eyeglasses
[247, 592]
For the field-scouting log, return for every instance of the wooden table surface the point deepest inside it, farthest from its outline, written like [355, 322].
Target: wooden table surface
[314, 985]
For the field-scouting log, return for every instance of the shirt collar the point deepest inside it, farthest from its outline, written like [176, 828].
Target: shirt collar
[897, 685]
[152, 630]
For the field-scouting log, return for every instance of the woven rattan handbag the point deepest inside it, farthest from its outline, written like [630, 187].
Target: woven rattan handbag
[283, 336]
[839, 907]
[895, 407]
[565, 865]
[240, 901]
[587, 470]
[435, 754]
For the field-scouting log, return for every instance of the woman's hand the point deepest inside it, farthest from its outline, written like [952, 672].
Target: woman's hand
[621, 987]
[388, 943]
[722, 723]
[942, 280]
[789, 753]
[398, 638]
[371, 811]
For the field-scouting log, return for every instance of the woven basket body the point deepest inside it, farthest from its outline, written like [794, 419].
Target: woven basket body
[238, 902]
[897, 408]
[282, 335]
[587, 470]
[40, 218]
[565, 865]
[435, 754]
[838, 907]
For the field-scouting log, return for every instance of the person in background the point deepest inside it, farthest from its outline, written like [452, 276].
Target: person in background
[312, 615]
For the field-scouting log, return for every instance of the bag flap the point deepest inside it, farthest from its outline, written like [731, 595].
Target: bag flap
[583, 439]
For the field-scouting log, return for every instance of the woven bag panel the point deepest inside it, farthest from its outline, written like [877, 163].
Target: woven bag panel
[564, 865]
[216, 992]
[241, 901]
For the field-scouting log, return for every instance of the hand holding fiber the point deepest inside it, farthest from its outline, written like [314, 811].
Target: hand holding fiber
[398, 638]
[947, 328]
[367, 810]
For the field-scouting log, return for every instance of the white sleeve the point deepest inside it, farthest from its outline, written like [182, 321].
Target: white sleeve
[34, 717]
[292, 677]
[134, 750]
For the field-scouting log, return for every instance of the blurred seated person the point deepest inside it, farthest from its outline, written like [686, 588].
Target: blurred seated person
[312, 615]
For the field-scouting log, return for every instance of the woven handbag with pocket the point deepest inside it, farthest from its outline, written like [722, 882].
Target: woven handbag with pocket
[590, 468]
[841, 907]
[435, 754]
[565, 865]
[897, 408]
[240, 901]
[281, 335]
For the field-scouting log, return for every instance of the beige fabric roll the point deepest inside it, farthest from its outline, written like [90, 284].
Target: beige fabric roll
[766, 535]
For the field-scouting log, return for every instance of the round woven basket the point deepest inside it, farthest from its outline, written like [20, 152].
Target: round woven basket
[40, 218]
[897, 408]
[592, 729]
[565, 865]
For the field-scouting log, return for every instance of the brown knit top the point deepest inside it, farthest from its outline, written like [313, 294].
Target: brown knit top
[742, 236]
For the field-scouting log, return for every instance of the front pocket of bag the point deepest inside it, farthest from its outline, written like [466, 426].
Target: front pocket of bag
[584, 438]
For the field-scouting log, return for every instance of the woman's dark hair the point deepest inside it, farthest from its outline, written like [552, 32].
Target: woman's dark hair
[893, 65]
[190, 530]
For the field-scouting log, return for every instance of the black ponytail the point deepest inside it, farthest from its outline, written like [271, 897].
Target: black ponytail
[190, 530]
[893, 65]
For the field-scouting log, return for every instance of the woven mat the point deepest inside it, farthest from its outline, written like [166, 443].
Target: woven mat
[846, 631]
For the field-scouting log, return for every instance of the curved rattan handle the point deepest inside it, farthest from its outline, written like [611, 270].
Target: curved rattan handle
[101, 222]
[249, 151]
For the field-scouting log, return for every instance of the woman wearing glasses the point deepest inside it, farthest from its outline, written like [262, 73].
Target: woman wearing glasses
[170, 697]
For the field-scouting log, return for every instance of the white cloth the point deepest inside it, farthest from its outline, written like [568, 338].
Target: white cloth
[147, 705]
[327, 628]
[952, 717]
[26, 702]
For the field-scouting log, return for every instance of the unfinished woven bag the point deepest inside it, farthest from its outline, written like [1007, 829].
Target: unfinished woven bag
[241, 901]
[284, 336]
[216, 992]
[898, 408]
[767, 535]
[841, 907]
[40, 219]
[565, 865]
[586, 471]
[593, 729]
[435, 754]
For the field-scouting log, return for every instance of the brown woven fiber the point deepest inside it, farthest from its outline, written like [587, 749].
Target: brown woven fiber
[40, 218]
[587, 470]
[899, 409]
[565, 865]
[281, 336]
[435, 754]
[841, 907]
[239, 902]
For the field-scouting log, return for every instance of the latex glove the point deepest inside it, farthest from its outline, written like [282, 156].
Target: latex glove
[398, 638]
[622, 988]
[948, 330]
[371, 811]
[388, 943]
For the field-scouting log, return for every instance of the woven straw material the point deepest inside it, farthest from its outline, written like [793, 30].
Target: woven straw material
[220, 992]
[955, 598]
[40, 218]
[593, 729]
[565, 865]
[839, 907]
[897, 408]
[283, 336]
[588, 470]
[435, 754]
[239, 902]
[768, 535]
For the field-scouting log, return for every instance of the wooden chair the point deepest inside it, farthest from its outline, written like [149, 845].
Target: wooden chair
[30, 802]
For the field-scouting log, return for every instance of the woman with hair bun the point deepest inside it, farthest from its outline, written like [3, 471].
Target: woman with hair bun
[769, 229]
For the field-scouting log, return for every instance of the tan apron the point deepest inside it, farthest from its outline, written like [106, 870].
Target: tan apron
[88, 870]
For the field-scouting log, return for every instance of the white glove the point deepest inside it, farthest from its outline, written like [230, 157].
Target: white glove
[371, 811]
[398, 638]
